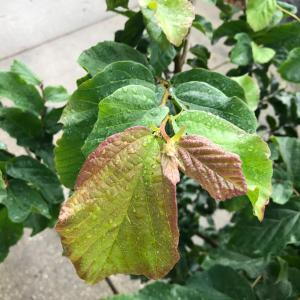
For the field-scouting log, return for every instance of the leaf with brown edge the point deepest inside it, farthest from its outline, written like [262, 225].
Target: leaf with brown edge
[218, 171]
[122, 217]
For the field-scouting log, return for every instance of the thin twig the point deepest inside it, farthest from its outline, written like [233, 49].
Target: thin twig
[288, 12]
[112, 286]
[256, 281]
[208, 240]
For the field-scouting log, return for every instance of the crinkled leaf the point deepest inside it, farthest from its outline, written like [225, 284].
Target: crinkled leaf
[25, 73]
[280, 227]
[127, 107]
[56, 94]
[241, 54]
[122, 217]
[202, 96]
[10, 233]
[212, 286]
[22, 199]
[41, 177]
[262, 55]
[219, 172]
[290, 151]
[260, 13]
[290, 69]
[251, 89]
[229, 87]
[24, 95]
[175, 17]
[96, 58]
[254, 153]
[81, 112]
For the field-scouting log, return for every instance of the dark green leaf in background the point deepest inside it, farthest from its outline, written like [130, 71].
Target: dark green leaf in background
[290, 69]
[112, 4]
[241, 54]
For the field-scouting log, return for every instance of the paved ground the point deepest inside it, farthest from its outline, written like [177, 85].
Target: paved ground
[49, 35]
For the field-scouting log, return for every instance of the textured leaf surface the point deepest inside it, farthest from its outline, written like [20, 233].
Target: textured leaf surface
[202, 96]
[280, 227]
[262, 55]
[290, 69]
[22, 199]
[81, 112]
[122, 217]
[24, 95]
[254, 153]
[29, 169]
[175, 17]
[10, 233]
[25, 73]
[290, 151]
[219, 172]
[260, 13]
[251, 89]
[229, 87]
[98, 57]
[127, 107]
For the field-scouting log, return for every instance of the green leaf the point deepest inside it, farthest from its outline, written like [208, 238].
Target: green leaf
[203, 25]
[24, 126]
[10, 233]
[175, 17]
[282, 187]
[230, 29]
[229, 87]
[98, 57]
[290, 151]
[24, 95]
[260, 13]
[212, 286]
[123, 200]
[251, 89]
[219, 172]
[262, 55]
[280, 227]
[254, 153]
[127, 107]
[22, 199]
[162, 291]
[241, 54]
[281, 36]
[202, 56]
[81, 112]
[26, 74]
[112, 4]
[56, 94]
[202, 96]
[41, 177]
[289, 69]
[37, 223]
[132, 32]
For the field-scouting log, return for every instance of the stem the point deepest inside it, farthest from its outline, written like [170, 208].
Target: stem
[208, 240]
[163, 129]
[288, 12]
[165, 97]
[296, 192]
[256, 281]
[112, 286]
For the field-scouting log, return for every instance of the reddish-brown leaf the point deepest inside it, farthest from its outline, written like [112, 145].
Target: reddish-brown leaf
[218, 171]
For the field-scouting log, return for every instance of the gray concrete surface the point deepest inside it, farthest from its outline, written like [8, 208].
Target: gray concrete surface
[48, 36]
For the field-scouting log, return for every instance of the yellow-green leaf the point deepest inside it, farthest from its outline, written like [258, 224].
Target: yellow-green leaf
[122, 218]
